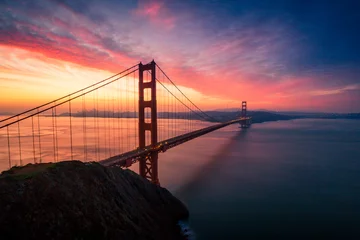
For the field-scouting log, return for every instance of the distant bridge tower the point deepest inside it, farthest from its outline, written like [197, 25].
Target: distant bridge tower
[243, 109]
[148, 166]
[245, 122]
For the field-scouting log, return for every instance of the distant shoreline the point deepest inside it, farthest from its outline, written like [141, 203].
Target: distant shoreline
[257, 116]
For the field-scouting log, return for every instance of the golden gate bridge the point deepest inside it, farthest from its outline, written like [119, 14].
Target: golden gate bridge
[129, 117]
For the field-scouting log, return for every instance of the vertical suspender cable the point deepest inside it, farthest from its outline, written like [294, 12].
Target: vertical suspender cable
[118, 117]
[173, 110]
[94, 131]
[56, 136]
[33, 137]
[97, 130]
[18, 124]
[135, 122]
[40, 153]
[8, 140]
[104, 121]
[108, 123]
[53, 128]
[127, 115]
[71, 137]
[84, 112]
[121, 137]
[113, 122]
[86, 135]
[168, 113]
[160, 117]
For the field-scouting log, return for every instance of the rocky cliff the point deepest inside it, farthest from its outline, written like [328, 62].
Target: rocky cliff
[74, 200]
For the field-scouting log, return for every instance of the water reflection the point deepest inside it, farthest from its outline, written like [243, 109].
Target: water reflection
[289, 179]
[295, 179]
[52, 139]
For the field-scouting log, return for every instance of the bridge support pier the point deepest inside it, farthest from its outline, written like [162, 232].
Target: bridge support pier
[148, 166]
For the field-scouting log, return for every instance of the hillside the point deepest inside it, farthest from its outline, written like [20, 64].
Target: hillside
[74, 200]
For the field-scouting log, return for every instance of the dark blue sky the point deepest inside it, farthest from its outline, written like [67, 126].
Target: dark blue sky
[330, 30]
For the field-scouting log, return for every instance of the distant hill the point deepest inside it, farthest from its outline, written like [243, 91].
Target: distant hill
[260, 116]
[257, 116]
[331, 115]
[6, 113]
[263, 116]
[221, 116]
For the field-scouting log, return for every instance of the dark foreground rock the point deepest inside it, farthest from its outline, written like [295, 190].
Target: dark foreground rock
[73, 200]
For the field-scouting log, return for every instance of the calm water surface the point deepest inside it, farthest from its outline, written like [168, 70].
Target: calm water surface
[295, 179]
[49, 139]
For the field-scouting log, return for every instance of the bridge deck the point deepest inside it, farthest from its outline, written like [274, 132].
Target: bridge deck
[126, 159]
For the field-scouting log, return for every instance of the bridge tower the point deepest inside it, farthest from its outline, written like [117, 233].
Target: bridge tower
[244, 123]
[148, 166]
[243, 109]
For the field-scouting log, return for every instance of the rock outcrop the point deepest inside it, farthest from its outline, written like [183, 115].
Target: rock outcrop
[75, 200]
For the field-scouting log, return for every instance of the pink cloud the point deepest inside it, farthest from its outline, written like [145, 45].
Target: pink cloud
[64, 39]
[156, 12]
[68, 50]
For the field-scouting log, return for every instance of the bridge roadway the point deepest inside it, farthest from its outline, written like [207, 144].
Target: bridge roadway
[128, 158]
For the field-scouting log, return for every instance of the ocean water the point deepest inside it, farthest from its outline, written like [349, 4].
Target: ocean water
[297, 179]
[48, 139]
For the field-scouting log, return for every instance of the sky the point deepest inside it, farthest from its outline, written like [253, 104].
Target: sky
[275, 54]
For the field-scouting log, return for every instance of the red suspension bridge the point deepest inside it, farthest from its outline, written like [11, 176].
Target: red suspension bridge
[129, 117]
